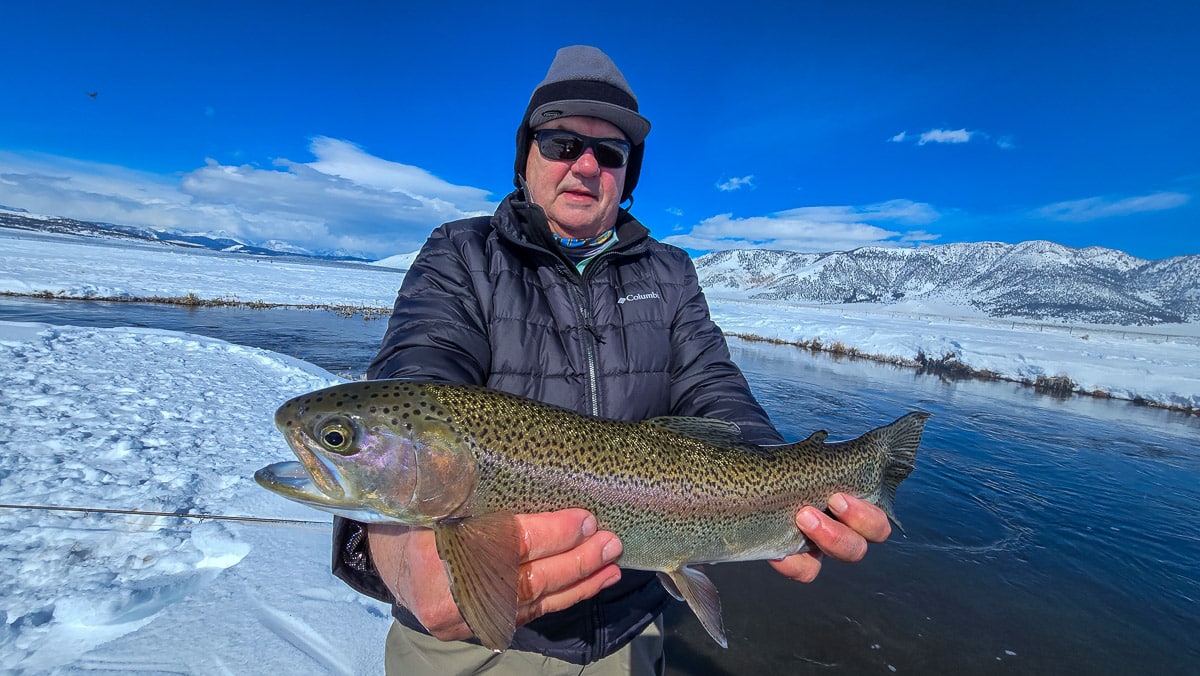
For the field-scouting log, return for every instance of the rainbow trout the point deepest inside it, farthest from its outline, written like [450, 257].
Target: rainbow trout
[464, 460]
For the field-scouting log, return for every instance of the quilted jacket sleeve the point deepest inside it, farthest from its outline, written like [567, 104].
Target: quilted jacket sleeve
[704, 379]
[437, 331]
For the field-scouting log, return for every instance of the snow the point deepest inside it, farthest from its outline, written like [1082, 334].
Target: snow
[166, 423]
[160, 422]
[75, 267]
[1159, 364]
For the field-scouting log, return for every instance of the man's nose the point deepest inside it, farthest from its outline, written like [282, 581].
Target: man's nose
[586, 164]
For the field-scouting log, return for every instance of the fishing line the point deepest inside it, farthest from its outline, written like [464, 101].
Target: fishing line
[139, 512]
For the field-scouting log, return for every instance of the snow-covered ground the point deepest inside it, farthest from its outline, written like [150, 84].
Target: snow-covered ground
[156, 421]
[161, 422]
[1159, 364]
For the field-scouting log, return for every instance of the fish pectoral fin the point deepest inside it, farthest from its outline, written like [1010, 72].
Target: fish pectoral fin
[482, 557]
[693, 586]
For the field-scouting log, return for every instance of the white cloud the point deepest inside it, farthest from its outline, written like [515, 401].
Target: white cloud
[813, 229]
[736, 183]
[951, 136]
[345, 199]
[1093, 208]
[945, 136]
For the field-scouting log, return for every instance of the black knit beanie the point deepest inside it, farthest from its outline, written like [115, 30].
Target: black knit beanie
[582, 80]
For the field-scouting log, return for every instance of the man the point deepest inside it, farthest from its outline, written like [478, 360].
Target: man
[564, 297]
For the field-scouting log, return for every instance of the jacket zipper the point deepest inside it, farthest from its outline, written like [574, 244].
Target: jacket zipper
[583, 308]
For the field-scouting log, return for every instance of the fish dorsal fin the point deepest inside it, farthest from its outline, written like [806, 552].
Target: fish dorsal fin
[701, 595]
[712, 430]
[482, 556]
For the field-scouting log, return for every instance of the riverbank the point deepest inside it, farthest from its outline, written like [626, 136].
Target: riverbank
[1157, 366]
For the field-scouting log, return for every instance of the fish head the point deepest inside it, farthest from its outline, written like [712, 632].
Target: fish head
[373, 451]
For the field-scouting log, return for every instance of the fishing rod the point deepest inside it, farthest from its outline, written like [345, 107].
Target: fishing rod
[140, 512]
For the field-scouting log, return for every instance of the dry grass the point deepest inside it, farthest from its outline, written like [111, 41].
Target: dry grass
[192, 300]
[948, 366]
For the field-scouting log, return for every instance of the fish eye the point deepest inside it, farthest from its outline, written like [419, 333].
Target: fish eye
[337, 436]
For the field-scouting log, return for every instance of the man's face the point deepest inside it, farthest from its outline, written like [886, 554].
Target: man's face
[580, 197]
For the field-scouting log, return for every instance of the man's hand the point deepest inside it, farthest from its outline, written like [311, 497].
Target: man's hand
[844, 538]
[564, 560]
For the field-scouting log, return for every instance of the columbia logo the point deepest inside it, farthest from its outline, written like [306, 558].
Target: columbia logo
[636, 296]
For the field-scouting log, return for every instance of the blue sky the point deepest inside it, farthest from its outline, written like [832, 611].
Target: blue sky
[816, 126]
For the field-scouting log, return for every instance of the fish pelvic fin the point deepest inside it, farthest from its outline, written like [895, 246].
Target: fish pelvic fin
[901, 439]
[482, 557]
[693, 586]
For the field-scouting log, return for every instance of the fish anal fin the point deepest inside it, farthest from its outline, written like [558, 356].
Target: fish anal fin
[482, 557]
[669, 585]
[701, 596]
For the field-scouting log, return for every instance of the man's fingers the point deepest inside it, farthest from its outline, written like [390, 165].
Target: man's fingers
[552, 574]
[831, 536]
[552, 533]
[802, 567]
[863, 517]
[586, 588]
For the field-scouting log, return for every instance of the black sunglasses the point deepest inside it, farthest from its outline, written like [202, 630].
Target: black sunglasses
[560, 144]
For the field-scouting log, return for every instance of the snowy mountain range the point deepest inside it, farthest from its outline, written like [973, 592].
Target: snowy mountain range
[1036, 280]
[16, 218]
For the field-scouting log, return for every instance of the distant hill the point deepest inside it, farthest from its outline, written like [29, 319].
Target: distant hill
[1036, 280]
[19, 219]
[397, 262]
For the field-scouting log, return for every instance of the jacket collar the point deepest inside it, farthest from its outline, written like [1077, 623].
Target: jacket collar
[523, 223]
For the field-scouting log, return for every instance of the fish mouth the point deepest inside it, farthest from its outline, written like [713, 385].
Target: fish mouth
[292, 480]
[289, 479]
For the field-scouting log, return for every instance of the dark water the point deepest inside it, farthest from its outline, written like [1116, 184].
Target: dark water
[341, 345]
[1044, 535]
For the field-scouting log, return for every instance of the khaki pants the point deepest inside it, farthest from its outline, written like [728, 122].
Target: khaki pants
[411, 653]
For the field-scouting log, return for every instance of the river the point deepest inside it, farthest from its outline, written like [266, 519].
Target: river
[1042, 535]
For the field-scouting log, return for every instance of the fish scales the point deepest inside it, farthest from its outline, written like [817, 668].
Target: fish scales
[635, 477]
[677, 491]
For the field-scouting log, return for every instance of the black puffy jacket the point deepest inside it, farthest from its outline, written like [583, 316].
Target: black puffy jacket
[489, 301]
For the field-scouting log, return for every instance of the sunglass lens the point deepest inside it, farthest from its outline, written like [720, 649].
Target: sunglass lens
[564, 145]
[560, 146]
[611, 154]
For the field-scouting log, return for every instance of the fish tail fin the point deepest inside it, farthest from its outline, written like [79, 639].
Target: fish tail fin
[901, 439]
